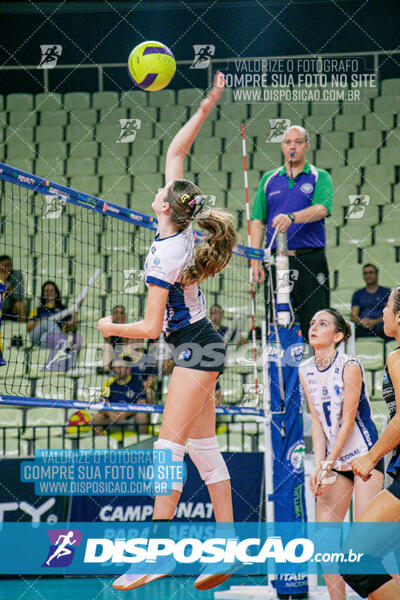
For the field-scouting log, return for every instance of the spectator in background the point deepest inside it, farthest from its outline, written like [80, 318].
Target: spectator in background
[14, 307]
[40, 323]
[368, 303]
[123, 388]
[115, 344]
[216, 316]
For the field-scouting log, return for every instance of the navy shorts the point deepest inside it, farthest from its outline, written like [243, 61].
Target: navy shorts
[350, 475]
[198, 346]
[394, 488]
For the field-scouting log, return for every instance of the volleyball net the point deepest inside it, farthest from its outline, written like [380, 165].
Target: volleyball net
[87, 255]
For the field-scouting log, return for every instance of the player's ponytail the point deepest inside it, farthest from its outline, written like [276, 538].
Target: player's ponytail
[341, 325]
[214, 253]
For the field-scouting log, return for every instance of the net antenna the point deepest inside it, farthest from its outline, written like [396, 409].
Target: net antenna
[253, 318]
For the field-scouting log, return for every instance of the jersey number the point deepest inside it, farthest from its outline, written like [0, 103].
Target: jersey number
[327, 412]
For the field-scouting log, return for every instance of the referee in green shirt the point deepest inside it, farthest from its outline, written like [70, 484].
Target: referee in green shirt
[296, 198]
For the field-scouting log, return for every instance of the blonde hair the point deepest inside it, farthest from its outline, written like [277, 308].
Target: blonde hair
[213, 254]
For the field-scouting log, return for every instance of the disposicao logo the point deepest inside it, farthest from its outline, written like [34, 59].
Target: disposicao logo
[62, 542]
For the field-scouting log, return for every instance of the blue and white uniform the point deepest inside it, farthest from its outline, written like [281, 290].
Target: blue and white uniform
[326, 389]
[166, 261]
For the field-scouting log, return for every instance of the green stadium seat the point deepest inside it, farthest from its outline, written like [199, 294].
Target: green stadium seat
[370, 352]
[84, 150]
[390, 87]
[189, 96]
[340, 258]
[105, 99]
[117, 183]
[49, 134]
[355, 233]
[110, 115]
[237, 179]
[83, 118]
[3, 118]
[51, 101]
[19, 102]
[12, 418]
[118, 197]
[269, 158]
[379, 193]
[388, 156]
[111, 166]
[212, 183]
[331, 235]
[393, 138]
[324, 109]
[19, 134]
[98, 443]
[1, 101]
[78, 133]
[134, 98]
[146, 114]
[19, 150]
[318, 125]
[341, 300]
[371, 139]
[88, 185]
[162, 98]
[337, 216]
[345, 176]
[334, 140]
[356, 108]
[348, 122]
[174, 115]
[53, 118]
[232, 162]
[24, 164]
[379, 121]
[386, 104]
[294, 111]
[49, 168]
[22, 119]
[351, 276]
[234, 442]
[207, 144]
[80, 166]
[201, 162]
[390, 346]
[362, 157]
[11, 448]
[391, 212]
[52, 150]
[141, 147]
[326, 159]
[54, 443]
[379, 174]
[49, 416]
[77, 100]
[114, 149]
[233, 112]
[145, 164]
[147, 183]
[263, 112]
[108, 133]
[232, 390]
[387, 234]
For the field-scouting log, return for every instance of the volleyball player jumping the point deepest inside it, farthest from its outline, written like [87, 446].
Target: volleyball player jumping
[342, 426]
[173, 272]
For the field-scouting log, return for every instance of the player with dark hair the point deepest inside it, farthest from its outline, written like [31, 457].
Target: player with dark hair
[173, 271]
[385, 507]
[342, 426]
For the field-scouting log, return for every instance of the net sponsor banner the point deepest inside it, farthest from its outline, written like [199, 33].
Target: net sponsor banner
[19, 502]
[287, 441]
[195, 501]
[193, 548]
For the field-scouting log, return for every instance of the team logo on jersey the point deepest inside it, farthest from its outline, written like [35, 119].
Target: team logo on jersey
[307, 188]
[295, 456]
[337, 390]
[153, 250]
[385, 378]
[130, 394]
[156, 260]
[325, 391]
[185, 354]
[321, 278]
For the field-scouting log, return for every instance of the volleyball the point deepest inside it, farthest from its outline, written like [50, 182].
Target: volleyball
[151, 66]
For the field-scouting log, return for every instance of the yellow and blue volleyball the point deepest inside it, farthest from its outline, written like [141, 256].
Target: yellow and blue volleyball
[151, 66]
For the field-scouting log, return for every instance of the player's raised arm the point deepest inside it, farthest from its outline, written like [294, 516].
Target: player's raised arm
[185, 137]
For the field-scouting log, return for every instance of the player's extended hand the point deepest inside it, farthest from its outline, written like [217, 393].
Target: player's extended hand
[215, 94]
[315, 482]
[103, 325]
[258, 271]
[363, 466]
[281, 222]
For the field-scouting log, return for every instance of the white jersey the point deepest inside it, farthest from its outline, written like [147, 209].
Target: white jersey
[167, 259]
[326, 390]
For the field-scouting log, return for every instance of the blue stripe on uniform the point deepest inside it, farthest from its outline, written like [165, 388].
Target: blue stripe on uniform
[159, 282]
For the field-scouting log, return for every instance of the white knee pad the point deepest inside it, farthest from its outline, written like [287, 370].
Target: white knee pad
[208, 459]
[178, 453]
